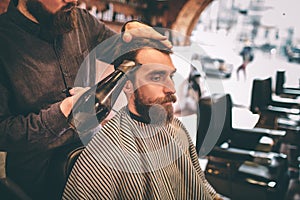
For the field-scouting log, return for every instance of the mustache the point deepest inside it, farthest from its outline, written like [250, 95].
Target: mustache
[167, 99]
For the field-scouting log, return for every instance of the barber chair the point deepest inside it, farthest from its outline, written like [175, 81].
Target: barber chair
[237, 175]
[60, 168]
[238, 166]
[294, 190]
[283, 113]
[281, 90]
[216, 124]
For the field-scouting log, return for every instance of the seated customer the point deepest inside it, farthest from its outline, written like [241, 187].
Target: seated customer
[143, 152]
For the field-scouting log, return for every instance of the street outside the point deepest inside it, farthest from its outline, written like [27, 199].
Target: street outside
[263, 66]
[224, 28]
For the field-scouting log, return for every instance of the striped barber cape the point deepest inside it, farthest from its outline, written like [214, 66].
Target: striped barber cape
[129, 159]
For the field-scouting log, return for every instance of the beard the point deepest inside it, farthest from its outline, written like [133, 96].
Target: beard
[155, 111]
[63, 21]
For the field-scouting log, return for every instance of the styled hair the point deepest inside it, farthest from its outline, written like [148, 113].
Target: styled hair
[129, 51]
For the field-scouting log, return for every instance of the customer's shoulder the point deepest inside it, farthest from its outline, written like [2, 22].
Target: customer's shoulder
[177, 122]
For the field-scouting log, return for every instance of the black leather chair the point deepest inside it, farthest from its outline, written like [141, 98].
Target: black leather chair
[235, 174]
[239, 170]
[273, 113]
[215, 128]
[60, 168]
[261, 99]
[281, 90]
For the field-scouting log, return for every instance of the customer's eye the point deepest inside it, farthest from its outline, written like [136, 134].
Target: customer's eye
[156, 78]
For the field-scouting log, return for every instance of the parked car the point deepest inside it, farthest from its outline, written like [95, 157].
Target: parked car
[216, 67]
[268, 48]
[293, 53]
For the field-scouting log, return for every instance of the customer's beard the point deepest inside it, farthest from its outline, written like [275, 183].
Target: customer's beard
[63, 21]
[155, 112]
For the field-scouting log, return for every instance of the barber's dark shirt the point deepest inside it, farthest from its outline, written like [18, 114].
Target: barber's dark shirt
[34, 69]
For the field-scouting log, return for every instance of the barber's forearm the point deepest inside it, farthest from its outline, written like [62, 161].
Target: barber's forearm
[16, 132]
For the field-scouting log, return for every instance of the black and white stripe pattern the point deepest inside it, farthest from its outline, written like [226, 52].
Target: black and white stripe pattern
[128, 159]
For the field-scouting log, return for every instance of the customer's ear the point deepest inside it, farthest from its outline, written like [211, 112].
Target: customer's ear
[128, 87]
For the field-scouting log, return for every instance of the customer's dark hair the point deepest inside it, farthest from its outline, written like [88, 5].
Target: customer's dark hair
[128, 51]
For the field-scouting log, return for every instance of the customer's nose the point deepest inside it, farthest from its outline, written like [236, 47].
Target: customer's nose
[169, 87]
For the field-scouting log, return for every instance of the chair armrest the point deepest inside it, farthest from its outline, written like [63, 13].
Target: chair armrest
[291, 91]
[293, 88]
[263, 158]
[262, 132]
[285, 102]
[229, 154]
[283, 110]
[60, 167]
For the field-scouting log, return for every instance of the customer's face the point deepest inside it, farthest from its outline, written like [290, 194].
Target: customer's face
[154, 86]
[57, 15]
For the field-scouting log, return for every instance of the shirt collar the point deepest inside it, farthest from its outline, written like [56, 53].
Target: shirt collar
[138, 118]
[22, 21]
